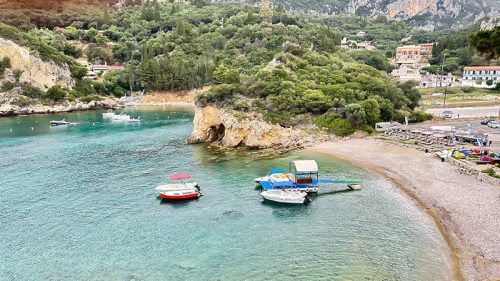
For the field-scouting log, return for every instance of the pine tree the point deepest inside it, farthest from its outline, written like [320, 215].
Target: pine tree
[156, 16]
[131, 76]
[107, 19]
[266, 10]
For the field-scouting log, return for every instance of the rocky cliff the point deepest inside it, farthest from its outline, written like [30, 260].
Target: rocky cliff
[38, 73]
[230, 129]
[8, 108]
[420, 13]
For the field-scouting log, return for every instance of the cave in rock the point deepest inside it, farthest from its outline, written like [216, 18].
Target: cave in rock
[217, 133]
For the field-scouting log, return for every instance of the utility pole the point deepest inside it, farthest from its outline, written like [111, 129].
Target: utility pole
[441, 79]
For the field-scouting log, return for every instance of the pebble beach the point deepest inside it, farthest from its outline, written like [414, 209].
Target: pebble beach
[464, 208]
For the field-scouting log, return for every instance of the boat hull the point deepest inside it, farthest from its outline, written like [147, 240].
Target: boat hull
[283, 197]
[179, 197]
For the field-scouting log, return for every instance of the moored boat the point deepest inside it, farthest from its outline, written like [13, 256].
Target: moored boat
[285, 196]
[179, 191]
[108, 115]
[122, 117]
[59, 123]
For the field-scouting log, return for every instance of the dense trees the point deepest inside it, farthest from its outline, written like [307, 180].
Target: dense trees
[487, 42]
[288, 68]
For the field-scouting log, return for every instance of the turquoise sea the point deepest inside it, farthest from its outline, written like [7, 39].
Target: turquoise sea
[78, 203]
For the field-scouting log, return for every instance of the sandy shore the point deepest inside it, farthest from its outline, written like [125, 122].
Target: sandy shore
[466, 210]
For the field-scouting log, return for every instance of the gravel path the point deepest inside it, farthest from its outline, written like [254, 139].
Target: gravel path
[467, 210]
[468, 112]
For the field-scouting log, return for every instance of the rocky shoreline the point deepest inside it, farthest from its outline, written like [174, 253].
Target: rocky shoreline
[12, 110]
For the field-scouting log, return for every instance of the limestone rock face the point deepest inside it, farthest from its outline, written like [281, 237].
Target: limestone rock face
[39, 73]
[10, 108]
[222, 127]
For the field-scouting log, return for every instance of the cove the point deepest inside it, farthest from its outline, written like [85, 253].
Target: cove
[78, 203]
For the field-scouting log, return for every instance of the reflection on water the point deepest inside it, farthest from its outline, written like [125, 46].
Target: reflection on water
[82, 198]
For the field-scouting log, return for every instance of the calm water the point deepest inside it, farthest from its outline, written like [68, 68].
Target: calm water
[77, 203]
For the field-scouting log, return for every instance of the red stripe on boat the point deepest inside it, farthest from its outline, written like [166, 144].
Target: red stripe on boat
[179, 197]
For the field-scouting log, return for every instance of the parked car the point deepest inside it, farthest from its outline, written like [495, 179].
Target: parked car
[448, 114]
[493, 124]
[486, 121]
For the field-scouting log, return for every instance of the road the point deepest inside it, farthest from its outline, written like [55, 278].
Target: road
[468, 112]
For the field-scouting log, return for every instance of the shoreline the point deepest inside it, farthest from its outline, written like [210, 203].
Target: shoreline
[57, 110]
[468, 261]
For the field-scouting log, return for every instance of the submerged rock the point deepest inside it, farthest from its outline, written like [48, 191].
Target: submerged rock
[229, 129]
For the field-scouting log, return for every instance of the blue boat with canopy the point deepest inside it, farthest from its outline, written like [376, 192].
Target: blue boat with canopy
[302, 175]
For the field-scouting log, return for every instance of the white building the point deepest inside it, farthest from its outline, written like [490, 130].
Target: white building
[481, 76]
[406, 73]
[435, 81]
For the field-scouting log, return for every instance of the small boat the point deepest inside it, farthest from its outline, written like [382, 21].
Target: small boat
[443, 155]
[108, 115]
[179, 191]
[269, 173]
[59, 123]
[285, 196]
[122, 117]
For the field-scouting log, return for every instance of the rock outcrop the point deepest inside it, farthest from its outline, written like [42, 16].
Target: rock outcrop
[38, 73]
[7, 109]
[228, 129]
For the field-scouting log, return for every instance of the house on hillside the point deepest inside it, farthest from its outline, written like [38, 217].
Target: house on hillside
[361, 34]
[354, 45]
[94, 70]
[410, 52]
[434, 81]
[481, 76]
[426, 48]
[407, 73]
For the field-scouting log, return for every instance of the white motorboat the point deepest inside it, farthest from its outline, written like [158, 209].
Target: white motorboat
[285, 196]
[108, 115]
[179, 191]
[59, 123]
[122, 117]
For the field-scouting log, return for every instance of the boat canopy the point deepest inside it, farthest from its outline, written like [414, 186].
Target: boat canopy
[180, 176]
[304, 166]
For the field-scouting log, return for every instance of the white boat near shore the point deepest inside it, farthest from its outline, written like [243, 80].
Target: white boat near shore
[285, 196]
[122, 117]
[59, 122]
[108, 115]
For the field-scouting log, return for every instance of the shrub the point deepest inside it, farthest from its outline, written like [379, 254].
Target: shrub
[338, 126]
[31, 91]
[22, 101]
[489, 82]
[7, 86]
[241, 105]
[5, 62]
[90, 98]
[419, 116]
[369, 129]
[56, 93]
[468, 89]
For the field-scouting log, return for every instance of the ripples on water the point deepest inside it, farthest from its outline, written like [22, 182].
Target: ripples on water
[77, 203]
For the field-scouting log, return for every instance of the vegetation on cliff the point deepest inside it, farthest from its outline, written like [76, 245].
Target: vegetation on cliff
[289, 68]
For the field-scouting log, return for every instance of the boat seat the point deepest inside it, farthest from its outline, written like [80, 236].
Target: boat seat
[304, 180]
